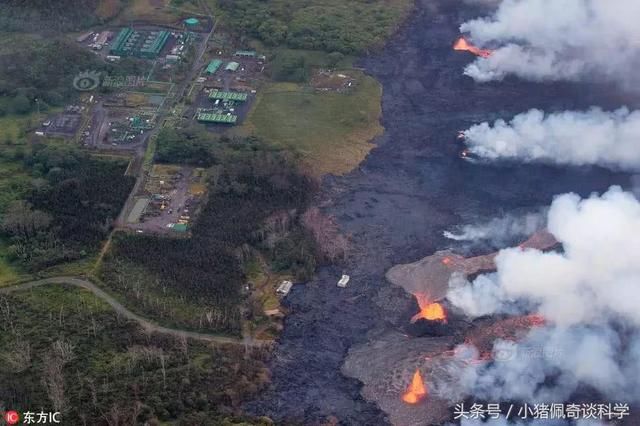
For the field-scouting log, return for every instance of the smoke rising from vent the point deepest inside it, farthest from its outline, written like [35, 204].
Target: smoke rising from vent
[593, 137]
[558, 40]
[588, 293]
[500, 232]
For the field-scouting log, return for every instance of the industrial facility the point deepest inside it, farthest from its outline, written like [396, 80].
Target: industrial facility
[224, 107]
[141, 44]
[213, 66]
[227, 96]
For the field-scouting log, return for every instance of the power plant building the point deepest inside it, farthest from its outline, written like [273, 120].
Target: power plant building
[207, 117]
[141, 44]
[215, 95]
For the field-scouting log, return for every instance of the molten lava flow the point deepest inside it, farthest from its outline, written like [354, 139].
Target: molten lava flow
[535, 320]
[416, 390]
[429, 311]
[463, 44]
[446, 261]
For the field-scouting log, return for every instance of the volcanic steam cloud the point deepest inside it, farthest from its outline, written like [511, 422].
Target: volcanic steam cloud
[593, 137]
[589, 296]
[558, 40]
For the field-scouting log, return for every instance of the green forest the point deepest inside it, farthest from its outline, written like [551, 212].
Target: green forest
[61, 15]
[67, 210]
[330, 25]
[196, 282]
[62, 349]
[34, 69]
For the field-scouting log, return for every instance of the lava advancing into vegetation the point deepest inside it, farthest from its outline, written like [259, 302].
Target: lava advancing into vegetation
[431, 311]
[463, 44]
[416, 390]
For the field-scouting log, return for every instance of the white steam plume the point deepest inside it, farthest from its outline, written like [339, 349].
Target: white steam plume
[500, 231]
[593, 137]
[588, 294]
[597, 275]
[558, 40]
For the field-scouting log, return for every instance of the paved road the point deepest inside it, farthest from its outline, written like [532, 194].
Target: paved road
[146, 324]
[171, 101]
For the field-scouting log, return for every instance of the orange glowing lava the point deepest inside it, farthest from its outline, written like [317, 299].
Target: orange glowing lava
[463, 44]
[536, 320]
[446, 261]
[416, 390]
[429, 311]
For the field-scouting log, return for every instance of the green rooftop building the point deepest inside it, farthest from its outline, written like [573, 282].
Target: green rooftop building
[207, 117]
[213, 66]
[141, 44]
[119, 44]
[153, 45]
[180, 227]
[246, 53]
[216, 94]
[232, 66]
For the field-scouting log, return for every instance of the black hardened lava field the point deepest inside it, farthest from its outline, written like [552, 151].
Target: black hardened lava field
[413, 186]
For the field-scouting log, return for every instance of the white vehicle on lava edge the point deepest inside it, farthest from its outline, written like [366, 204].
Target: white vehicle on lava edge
[343, 281]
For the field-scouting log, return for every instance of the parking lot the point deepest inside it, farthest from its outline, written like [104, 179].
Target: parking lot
[169, 200]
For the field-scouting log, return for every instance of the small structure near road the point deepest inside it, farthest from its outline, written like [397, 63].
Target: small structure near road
[284, 288]
[213, 66]
[232, 66]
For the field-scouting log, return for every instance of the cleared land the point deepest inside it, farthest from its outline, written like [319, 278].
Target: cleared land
[332, 131]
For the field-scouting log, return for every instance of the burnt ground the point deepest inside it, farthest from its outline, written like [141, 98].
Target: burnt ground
[397, 204]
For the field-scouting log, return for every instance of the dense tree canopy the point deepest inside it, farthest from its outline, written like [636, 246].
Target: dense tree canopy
[344, 26]
[68, 210]
[29, 15]
[35, 68]
[248, 182]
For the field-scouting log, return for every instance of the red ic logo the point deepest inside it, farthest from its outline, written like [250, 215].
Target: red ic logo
[11, 417]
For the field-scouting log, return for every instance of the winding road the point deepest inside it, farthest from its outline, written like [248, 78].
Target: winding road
[144, 323]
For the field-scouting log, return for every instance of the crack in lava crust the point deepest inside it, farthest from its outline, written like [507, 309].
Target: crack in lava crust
[396, 205]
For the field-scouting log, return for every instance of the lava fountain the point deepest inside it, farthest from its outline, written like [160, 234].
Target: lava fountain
[463, 44]
[416, 390]
[431, 311]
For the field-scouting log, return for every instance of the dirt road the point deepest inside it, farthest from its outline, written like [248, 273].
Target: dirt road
[144, 323]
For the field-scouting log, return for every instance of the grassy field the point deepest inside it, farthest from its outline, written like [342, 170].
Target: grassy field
[155, 11]
[187, 6]
[14, 126]
[10, 42]
[332, 131]
[108, 9]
